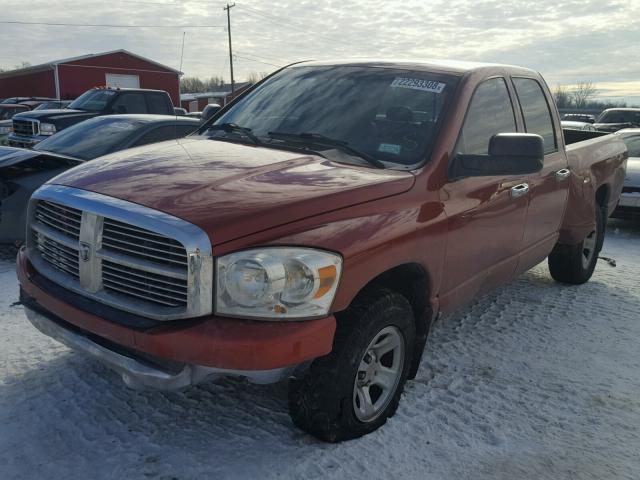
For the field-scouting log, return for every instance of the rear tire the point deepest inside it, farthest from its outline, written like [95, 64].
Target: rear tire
[353, 390]
[574, 264]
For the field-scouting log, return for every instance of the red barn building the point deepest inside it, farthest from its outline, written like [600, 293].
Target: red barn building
[69, 78]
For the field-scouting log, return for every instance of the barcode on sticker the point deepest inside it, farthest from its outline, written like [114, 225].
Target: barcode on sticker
[419, 84]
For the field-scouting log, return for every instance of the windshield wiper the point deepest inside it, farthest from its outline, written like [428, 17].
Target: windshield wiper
[319, 139]
[232, 127]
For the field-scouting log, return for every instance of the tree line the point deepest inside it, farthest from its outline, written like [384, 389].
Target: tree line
[215, 83]
[581, 96]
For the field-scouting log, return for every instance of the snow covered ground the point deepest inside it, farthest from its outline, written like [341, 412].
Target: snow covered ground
[535, 381]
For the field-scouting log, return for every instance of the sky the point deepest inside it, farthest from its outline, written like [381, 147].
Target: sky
[568, 41]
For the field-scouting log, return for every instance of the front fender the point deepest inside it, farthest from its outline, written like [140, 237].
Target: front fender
[372, 238]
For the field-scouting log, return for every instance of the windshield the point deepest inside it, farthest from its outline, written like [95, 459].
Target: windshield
[50, 106]
[8, 112]
[620, 116]
[92, 138]
[388, 114]
[93, 100]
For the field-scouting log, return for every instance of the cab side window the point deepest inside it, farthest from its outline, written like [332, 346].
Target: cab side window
[130, 103]
[490, 112]
[535, 110]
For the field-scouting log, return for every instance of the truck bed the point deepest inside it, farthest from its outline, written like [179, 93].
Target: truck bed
[572, 136]
[597, 162]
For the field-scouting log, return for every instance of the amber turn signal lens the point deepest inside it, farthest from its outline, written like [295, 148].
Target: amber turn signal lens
[327, 279]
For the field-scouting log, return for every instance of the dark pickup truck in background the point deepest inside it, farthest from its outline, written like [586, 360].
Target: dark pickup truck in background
[33, 127]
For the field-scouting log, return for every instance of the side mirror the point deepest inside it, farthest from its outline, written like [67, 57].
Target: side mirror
[210, 110]
[509, 154]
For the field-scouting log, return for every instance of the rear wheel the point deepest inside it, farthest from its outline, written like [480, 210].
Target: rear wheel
[574, 264]
[353, 390]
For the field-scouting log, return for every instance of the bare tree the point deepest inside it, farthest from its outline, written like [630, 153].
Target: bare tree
[196, 85]
[582, 93]
[255, 77]
[562, 96]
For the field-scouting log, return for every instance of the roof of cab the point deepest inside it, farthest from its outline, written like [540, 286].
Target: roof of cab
[146, 118]
[445, 66]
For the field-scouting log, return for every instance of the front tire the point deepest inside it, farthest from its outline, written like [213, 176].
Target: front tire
[353, 390]
[574, 264]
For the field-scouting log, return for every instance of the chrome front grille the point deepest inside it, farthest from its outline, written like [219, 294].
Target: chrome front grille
[63, 219]
[141, 243]
[125, 255]
[25, 127]
[161, 289]
[59, 256]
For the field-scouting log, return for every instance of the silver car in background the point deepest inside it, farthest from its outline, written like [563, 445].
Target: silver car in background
[629, 203]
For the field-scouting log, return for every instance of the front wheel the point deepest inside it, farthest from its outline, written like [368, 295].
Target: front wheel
[574, 264]
[353, 390]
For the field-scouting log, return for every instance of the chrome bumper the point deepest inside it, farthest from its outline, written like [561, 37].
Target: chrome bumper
[139, 375]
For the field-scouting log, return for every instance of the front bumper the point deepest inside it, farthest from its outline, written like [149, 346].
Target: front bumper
[21, 141]
[183, 353]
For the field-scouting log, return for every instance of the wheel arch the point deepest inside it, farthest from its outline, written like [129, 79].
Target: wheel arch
[412, 281]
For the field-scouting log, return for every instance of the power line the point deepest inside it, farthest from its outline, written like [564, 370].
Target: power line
[259, 61]
[107, 25]
[285, 22]
[263, 57]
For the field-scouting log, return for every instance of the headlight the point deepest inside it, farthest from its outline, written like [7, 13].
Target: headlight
[47, 129]
[5, 130]
[277, 283]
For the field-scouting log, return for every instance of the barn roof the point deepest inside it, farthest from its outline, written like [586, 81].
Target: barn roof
[51, 65]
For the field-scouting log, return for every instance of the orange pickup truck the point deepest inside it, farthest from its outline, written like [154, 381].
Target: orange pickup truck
[314, 228]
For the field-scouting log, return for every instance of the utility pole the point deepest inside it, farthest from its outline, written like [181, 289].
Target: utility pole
[228, 9]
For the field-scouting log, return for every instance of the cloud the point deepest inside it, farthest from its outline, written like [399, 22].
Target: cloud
[567, 40]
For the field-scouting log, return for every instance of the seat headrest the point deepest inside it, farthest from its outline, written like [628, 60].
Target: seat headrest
[399, 114]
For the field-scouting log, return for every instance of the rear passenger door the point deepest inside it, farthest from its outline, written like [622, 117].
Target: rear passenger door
[548, 189]
[485, 219]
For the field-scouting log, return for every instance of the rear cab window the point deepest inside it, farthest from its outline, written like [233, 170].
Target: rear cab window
[536, 112]
[490, 112]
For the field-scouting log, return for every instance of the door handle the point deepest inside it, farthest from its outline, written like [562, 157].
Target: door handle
[519, 190]
[563, 174]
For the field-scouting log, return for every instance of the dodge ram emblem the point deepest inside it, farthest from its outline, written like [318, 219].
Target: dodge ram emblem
[85, 251]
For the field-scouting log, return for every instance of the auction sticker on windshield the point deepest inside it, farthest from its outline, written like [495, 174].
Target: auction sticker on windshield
[419, 84]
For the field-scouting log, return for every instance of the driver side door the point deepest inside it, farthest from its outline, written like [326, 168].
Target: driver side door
[485, 215]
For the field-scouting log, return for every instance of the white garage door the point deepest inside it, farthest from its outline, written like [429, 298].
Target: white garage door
[122, 81]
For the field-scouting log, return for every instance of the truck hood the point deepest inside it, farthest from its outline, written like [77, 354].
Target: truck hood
[56, 116]
[233, 190]
[11, 157]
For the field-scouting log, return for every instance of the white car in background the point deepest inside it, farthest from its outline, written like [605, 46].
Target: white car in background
[629, 203]
[577, 125]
